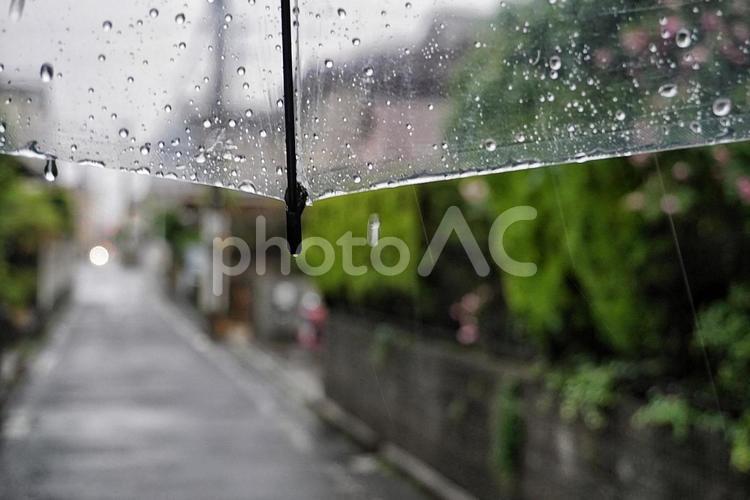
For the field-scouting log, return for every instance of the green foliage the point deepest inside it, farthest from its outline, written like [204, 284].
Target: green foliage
[586, 391]
[671, 411]
[507, 428]
[32, 215]
[178, 233]
[331, 219]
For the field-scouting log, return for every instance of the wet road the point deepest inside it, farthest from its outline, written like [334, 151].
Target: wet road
[128, 400]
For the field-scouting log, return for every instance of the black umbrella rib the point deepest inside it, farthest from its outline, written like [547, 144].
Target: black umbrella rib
[296, 195]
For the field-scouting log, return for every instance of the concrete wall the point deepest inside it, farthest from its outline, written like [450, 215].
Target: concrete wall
[461, 413]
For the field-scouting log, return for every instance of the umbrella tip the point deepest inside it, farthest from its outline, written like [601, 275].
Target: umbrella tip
[296, 199]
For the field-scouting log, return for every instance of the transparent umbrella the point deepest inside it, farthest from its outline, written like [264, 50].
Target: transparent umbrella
[345, 96]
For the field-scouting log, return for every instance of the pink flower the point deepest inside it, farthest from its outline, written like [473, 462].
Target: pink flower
[743, 189]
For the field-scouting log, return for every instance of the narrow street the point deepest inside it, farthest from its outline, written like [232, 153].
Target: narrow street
[128, 400]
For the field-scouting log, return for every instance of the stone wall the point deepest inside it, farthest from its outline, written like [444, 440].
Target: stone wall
[486, 425]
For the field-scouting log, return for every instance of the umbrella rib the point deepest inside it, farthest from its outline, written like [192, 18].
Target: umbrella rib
[296, 195]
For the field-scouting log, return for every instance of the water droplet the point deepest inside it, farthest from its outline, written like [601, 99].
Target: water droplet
[683, 38]
[342, 13]
[153, 13]
[16, 10]
[247, 187]
[168, 108]
[490, 145]
[241, 70]
[669, 90]
[248, 113]
[329, 63]
[357, 179]
[107, 25]
[722, 106]
[263, 133]
[124, 133]
[356, 42]
[373, 230]
[102, 58]
[47, 72]
[369, 71]
[145, 149]
[620, 115]
[143, 171]
[228, 18]
[206, 123]
[200, 159]
[179, 18]
[555, 63]
[50, 170]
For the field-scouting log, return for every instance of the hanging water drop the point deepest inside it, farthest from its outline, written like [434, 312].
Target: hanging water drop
[153, 13]
[490, 145]
[16, 10]
[179, 18]
[46, 72]
[342, 13]
[50, 170]
[248, 187]
[107, 25]
[124, 133]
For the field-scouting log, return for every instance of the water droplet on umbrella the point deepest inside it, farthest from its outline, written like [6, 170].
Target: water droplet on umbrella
[357, 179]
[168, 108]
[241, 70]
[620, 115]
[722, 106]
[490, 145]
[369, 71]
[669, 90]
[247, 187]
[329, 63]
[145, 149]
[47, 72]
[50, 170]
[179, 18]
[107, 25]
[143, 171]
[248, 113]
[124, 133]
[683, 38]
[153, 13]
[555, 63]
[355, 41]
[16, 9]
[342, 13]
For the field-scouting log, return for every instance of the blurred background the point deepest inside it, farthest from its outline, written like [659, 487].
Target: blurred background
[592, 375]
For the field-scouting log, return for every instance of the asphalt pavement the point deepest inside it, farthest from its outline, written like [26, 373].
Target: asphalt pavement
[128, 400]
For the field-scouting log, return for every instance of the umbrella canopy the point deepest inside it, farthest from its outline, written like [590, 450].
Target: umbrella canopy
[386, 93]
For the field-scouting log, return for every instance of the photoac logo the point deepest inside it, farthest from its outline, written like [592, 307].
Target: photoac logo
[453, 222]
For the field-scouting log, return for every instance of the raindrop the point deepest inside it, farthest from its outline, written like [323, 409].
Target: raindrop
[168, 108]
[145, 149]
[369, 71]
[143, 171]
[373, 230]
[248, 187]
[107, 25]
[102, 58]
[620, 115]
[280, 104]
[722, 106]
[357, 179]
[179, 18]
[355, 42]
[555, 63]
[200, 159]
[46, 72]
[342, 13]
[124, 133]
[669, 90]
[153, 13]
[16, 9]
[248, 113]
[206, 123]
[329, 63]
[263, 133]
[490, 145]
[241, 70]
[683, 38]
[50, 170]
[228, 18]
